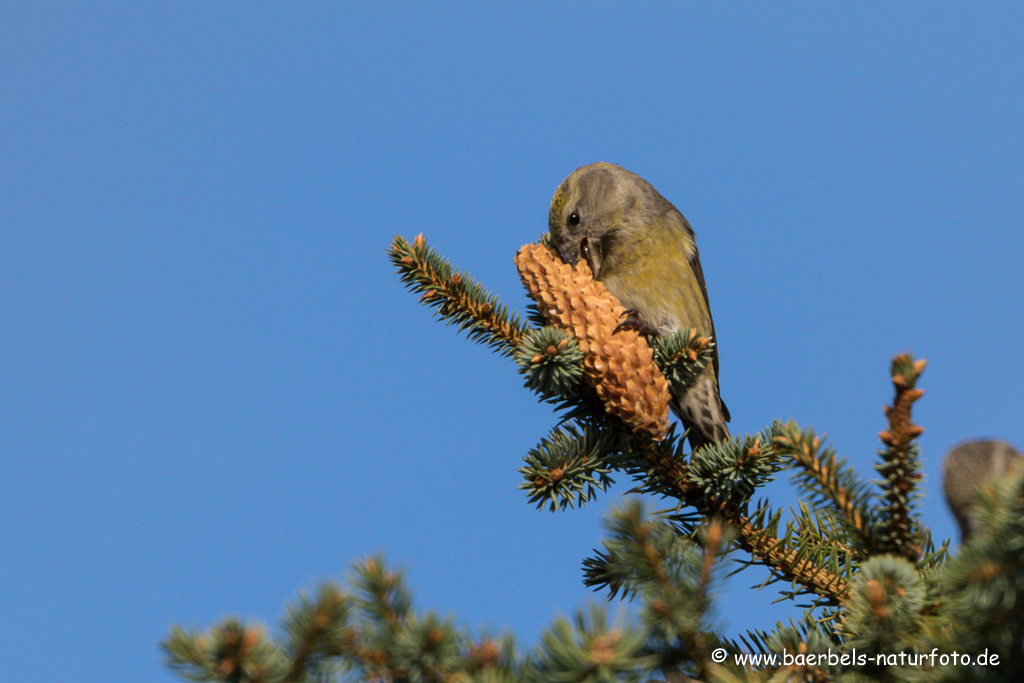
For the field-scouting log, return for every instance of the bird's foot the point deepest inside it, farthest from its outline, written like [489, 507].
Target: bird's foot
[634, 322]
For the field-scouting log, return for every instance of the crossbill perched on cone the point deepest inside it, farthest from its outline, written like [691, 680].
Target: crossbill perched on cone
[644, 251]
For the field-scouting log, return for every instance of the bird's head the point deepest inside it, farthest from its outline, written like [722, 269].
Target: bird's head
[590, 211]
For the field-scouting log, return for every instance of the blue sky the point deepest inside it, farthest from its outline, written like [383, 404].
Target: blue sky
[214, 391]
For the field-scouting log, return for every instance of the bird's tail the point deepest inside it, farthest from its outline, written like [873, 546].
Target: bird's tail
[702, 412]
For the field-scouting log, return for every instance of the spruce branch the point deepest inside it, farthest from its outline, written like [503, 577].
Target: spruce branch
[676, 610]
[590, 650]
[898, 529]
[638, 552]
[551, 361]
[456, 298]
[756, 534]
[230, 651]
[333, 637]
[665, 472]
[427, 648]
[317, 629]
[728, 472]
[886, 600]
[644, 555]
[569, 466]
[381, 593]
[806, 635]
[662, 470]
[786, 562]
[682, 357]
[828, 481]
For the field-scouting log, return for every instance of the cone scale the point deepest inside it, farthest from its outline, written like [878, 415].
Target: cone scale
[618, 365]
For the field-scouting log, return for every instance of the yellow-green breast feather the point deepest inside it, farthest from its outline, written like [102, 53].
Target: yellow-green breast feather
[651, 271]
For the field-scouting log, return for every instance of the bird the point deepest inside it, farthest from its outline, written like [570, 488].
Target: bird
[645, 252]
[966, 468]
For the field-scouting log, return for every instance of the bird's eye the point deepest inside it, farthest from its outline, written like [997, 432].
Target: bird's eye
[574, 218]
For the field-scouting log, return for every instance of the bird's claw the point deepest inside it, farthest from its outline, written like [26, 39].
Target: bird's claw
[634, 322]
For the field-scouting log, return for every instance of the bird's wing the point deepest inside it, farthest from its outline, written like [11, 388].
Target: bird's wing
[698, 272]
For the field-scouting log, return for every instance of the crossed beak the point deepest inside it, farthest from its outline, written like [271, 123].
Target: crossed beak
[592, 254]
